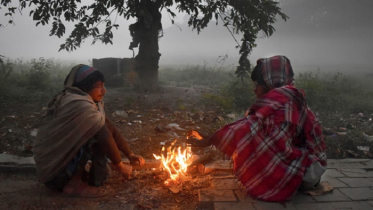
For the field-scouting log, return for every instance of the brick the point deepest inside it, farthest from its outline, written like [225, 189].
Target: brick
[207, 195]
[357, 182]
[352, 205]
[225, 184]
[335, 195]
[242, 197]
[363, 193]
[233, 206]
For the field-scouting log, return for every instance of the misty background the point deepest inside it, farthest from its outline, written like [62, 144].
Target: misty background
[319, 34]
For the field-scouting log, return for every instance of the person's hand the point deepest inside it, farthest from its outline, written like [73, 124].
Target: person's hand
[198, 142]
[124, 169]
[136, 159]
[194, 134]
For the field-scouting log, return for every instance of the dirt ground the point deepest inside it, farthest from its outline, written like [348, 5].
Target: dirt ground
[146, 120]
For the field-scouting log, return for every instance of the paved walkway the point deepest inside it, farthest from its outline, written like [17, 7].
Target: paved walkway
[352, 180]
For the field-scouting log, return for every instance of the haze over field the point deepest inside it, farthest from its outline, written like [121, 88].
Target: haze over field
[330, 35]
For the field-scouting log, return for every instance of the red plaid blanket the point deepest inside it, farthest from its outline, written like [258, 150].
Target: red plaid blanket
[273, 145]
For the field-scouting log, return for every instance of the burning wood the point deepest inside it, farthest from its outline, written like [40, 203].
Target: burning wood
[175, 162]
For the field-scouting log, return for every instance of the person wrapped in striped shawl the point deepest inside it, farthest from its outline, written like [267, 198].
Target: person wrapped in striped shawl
[278, 146]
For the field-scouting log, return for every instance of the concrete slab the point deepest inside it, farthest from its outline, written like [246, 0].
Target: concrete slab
[334, 182]
[273, 206]
[370, 203]
[233, 206]
[333, 173]
[314, 206]
[225, 184]
[335, 195]
[8, 159]
[358, 205]
[302, 198]
[208, 195]
[357, 182]
[356, 194]
[350, 163]
[351, 172]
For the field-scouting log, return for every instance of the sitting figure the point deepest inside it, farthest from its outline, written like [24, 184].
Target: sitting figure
[278, 146]
[74, 130]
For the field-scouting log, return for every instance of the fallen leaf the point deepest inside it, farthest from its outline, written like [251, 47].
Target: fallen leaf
[220, 118]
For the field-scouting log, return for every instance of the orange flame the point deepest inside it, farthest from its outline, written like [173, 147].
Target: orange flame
[175, 162]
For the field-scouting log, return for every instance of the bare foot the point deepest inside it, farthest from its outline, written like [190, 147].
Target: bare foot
[82, 189]
[124, 169]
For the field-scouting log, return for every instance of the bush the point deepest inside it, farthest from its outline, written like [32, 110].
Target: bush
[336, 92]
[32, 81]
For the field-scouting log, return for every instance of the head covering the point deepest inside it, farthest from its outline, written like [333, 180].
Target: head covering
[276, 71]
[83, 72]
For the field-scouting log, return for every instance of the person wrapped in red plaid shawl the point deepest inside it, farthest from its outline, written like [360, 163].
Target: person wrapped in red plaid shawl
[278, 146]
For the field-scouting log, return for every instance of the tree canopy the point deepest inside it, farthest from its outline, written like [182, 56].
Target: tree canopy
[245, 17]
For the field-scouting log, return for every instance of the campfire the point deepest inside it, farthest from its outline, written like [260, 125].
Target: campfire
[175, 161]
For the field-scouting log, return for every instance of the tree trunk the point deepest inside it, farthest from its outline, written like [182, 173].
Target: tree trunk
[147, 59]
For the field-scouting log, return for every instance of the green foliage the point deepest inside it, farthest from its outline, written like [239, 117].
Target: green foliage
[242, 94]
[38, 76]
[33, 81]
[6, 69]
[336, 92]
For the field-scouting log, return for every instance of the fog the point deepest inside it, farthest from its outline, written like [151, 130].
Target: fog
[325, 35]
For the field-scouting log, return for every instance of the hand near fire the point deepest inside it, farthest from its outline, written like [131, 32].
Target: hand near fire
[136, 159]
[196, 140]
[194, 134]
